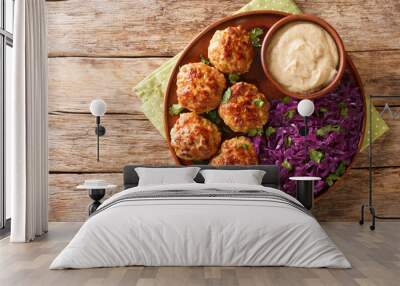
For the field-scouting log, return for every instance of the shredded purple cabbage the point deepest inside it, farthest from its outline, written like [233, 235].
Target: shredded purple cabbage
[342, 111]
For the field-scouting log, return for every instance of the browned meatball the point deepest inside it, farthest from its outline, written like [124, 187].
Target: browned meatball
[230, 50]
[199, 87]
[236, 151]
[194, 138]
[245, 109]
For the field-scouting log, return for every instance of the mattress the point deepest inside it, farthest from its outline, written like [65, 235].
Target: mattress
[201, 225]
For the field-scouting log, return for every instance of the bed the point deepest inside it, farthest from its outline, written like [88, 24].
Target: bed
[197, 224]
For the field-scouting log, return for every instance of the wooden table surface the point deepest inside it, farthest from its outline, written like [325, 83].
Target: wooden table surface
[103, 48]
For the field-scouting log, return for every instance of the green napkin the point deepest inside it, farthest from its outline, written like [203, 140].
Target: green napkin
[151, 89]
[379, 126]
[287, 6]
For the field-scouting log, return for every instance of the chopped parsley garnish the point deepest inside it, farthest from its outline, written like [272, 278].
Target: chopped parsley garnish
[328, 129]
[335, 176]
[323, 109]
[343, 109]
[245, 146]
[288, 141]
[252, 132]
[233, 78]
[316, 155]
[340, 169]
[287, 165]
[213, 116]
[227, 95]
[255, 131]
[320, 111]
[258, 102]
[269, 131]
[290, 113]
[204, 60]
[286, 99]
[331, 179]
[175, 109]
[255, 37]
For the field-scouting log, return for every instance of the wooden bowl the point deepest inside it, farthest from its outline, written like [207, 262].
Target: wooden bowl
[331, 31]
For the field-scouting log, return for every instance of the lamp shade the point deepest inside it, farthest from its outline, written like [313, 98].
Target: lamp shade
[305, 107]
[98, 107]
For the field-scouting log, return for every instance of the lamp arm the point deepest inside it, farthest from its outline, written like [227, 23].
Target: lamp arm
[100, 131]
[98, 137]
[305, 125]
[304, 130]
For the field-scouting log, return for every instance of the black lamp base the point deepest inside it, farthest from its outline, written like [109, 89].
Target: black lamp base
[305, 193]
[100, 130]
[303, 131]
[96, 195]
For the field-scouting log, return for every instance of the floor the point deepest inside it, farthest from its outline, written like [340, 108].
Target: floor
[5, 231]
[375, 257]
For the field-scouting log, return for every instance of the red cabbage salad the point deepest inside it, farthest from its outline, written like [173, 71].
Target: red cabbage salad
[334, 132]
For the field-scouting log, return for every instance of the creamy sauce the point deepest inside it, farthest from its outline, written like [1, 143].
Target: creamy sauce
[302, 57]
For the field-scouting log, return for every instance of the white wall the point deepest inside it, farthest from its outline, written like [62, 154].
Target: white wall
[9, 65]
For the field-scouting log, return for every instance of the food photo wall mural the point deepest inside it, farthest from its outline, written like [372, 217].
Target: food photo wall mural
[232, 98]
[238, 85]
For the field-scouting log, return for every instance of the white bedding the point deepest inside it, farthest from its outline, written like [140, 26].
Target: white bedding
[200, 231]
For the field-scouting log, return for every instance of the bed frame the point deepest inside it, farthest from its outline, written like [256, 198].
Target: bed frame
[271, 177]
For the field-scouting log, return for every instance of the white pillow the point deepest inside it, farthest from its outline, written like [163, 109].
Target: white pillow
[248, 177]
[166, 176]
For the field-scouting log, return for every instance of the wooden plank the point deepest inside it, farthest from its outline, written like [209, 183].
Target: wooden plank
[74, 82]
[102, 28]
[344, 203]
[119, 28]
[67, 204]
[128, 139]
[364, 25]
[379, 72]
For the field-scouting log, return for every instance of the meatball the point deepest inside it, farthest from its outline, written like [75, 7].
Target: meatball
[230, 50]
[236, 151]
[199, 87]
[194, 138]
[245, 109]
